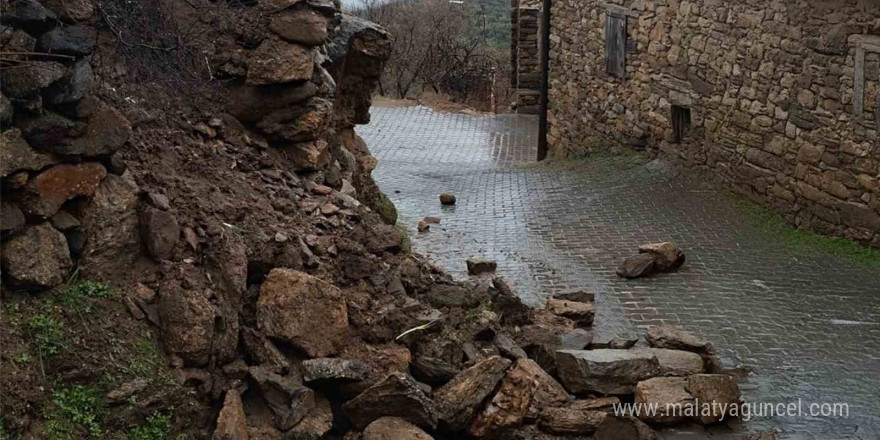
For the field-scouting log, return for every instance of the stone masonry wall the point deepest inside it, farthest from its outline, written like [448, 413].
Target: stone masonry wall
[779, 99]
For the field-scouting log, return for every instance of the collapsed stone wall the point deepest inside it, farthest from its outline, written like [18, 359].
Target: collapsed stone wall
[778, 99]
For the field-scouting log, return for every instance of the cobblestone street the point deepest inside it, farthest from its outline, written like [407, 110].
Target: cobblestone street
[806, 323]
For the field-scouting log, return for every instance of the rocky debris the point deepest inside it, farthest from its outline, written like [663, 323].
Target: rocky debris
[458, 401]
[44, 194]
[623, 428]
[508, 408]
[107, 130]
[674, 337]
[16, 155]
[669, 396]
[27, 80]
[289, 401]
[393, 428]
[541, 343]
[431, 220]
[69, 40]
[654, 257]
[159, 231]
[252, 103]
[72, 11]
[605, 371]
[276, 61]
[321, 190]
[636, 266]
[604, 337]
[570, 421]
[262, 351]
[188, 320]
[478, 266]
[398, 395]
[303, 26]
[316, 423]
[447, 199]
[36, 258]
[581, 313]
[509, 305]
[11, 219]
[231, 423]
[63, 221]
[674, 362]
[304, 311]
[576, 295]
[433, 371]
[577, 339]
[423, 227]
[717, 390]
[769, 434]
[334, 370]
[508, 348]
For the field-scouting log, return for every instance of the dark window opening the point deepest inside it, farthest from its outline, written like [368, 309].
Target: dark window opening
[615, 45]
[681, 122]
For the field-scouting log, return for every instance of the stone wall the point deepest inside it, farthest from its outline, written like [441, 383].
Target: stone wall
[780, 100]
[525, 57]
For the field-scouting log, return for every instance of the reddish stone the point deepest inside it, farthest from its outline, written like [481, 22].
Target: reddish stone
[44, 194]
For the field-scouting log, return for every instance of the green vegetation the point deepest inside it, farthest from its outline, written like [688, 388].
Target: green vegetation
[775, 226]
[47, 334]
[144, 358]
[155, 428]
[497, 13]
[77, 295]
[22, 359]
[386, 209]
[76, 411]
[405, 240]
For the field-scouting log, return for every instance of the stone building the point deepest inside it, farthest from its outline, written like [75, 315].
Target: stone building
[524, 40]
[779, 99]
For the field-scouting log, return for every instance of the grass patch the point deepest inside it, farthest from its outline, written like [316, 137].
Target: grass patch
[773, 225]
[405, 240]
[154, 428]
[144, 358]
[75, 414]
[47, 334]
[78, 295]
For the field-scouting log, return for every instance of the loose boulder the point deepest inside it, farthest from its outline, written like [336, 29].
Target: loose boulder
[334, 370]
[231, 423]
[674, 362]
[674, 337]
[667, 256]
[38, 257]
[579, 312]
[668, 396]
[719, 391]
[276, 61]
[636, 266]
[447, 199]
[44, 194]
[188, 320]
[304, 311]
[27, 80]
[393, 428]
[458, 401]
[477, 266]
[571, 421]
[398, 395]
[16, 155]
[289, 401]
[624, 428]
[69, 40]
[605, 371]
[159, 231]
[303, 26]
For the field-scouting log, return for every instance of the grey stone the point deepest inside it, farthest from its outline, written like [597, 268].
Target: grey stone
[37, 258]
[623, 428]
[605, 371]
[69, 40]
[508, 347]
[289, 400]
[477, 266]
[398, 395]
[63, 221]
[334, 370]
[16, 155]
[577, 339]
[636, 266]
[159, 231]
[670, 336]
[29, 79]
[11, 218]
[433, 371]
[73, 86]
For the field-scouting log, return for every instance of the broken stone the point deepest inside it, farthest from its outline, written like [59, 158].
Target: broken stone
[570, 421]
[623, 428]
[717, 390]
[447, 198]
[577, 339]
[509, 305]
[423, 227]
[289, 400]
[604, 337]
[334, 370]
[540, 343]
[636, 266]
[605, 371]
[667, 256]
[15, 154]
[63, 221]
[126, 390]
[159, 232]
[38, 257]
[28, 79]
[262, 351]
[321, 190]
[433, 371]
[477, 266]
[674, 337]
[508, 408]
[11, 219]
[304, 311]
[231, 423]
[72, 11]
[159, 200]
[303, 26]
[669, 396]
[431, 220]
[188, 320]
[45, 193]
[276, 61]
[252, 103]
[72, 87]
[581, 313]
[69, 40]
[576, 295]
[393, 428]
[145, 293]
[508, 347]
[329, 209]
[107, 130]
[459, 400]
[76, 241]
[6, 110]
[316, 423]
[675, 362]
[47, 131]
[398, 395]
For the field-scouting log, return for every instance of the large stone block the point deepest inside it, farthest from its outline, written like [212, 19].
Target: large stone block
[44, 194]
[605, 371]
[38, 258]
[276, 61]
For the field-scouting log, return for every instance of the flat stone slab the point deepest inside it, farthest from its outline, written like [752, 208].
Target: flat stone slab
[605, 371]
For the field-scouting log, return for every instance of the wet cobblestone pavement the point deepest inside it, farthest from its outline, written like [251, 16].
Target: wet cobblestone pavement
[806, 323]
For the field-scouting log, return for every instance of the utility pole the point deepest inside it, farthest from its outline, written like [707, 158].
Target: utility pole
[545, 80]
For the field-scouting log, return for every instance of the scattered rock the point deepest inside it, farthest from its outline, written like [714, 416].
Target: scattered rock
[579, 312]
[321, 190]
[604, 337]
[577, 339]
[334, 370]
[290, 401]
[459, 400]
[508, 408]
[447, 198]
[145, 293]
[188, 320]
[63, 221]
[674, 362]
[329, 209]
[431, 220]
[44, 194]
[423, 227]
[769, 434]
[159, 200]
[636, 266]
[398, 395]
[315, 425]
[159, 231]
[303, 26]
[717, 390]
[107, 130]
[310, 155]
[508, 347]
[6, 109]
[276, 61]
[11, 219]
[38, 257]
[72, 11]
[674, 337]
[69, 40]
[570, 421]
[509, 305]
[667, 256]
[623, 428]
[576, 295]
[669, 396]
[27, 80]
[262, 351]
[477, 266]
[304, 311]
[47, 131]
[393, 428]
[126, 390]
[605, 371]
[15, 154]
[231, 423]
[433, 371]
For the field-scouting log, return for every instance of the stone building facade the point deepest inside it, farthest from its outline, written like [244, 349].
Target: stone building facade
[524, 54]
[779, 99]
